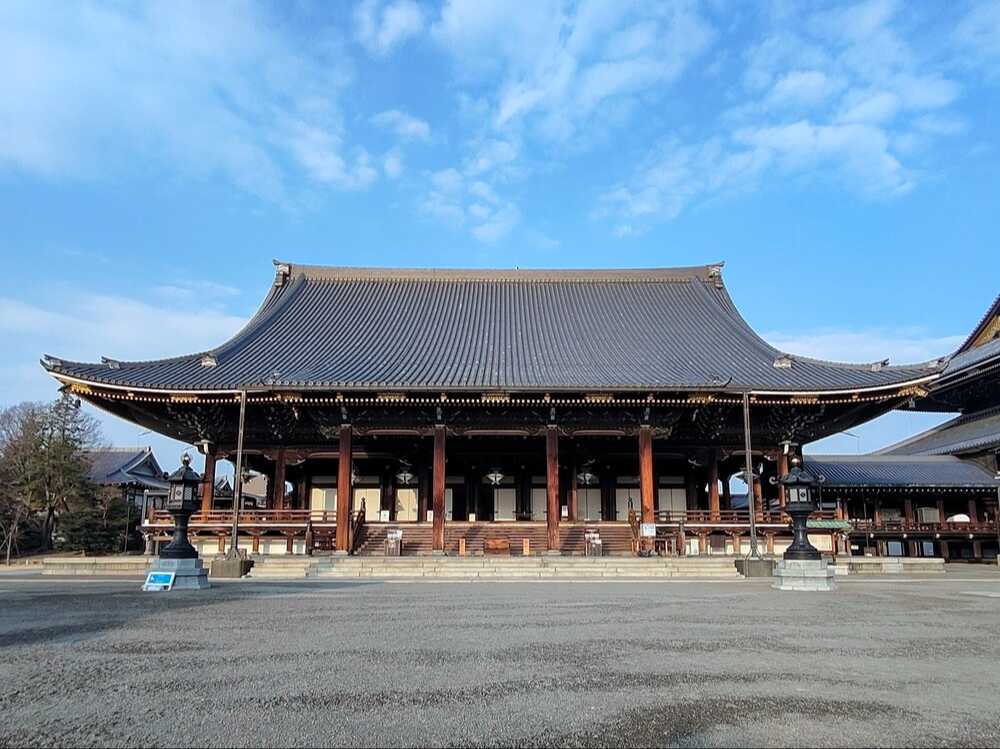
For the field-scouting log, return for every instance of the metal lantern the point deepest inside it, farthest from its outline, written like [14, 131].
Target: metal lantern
[182, 500]
[405, 475]
[800, 503]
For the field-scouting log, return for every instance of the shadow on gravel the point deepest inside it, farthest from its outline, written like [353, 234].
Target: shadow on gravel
[688, 723]
[75, 613]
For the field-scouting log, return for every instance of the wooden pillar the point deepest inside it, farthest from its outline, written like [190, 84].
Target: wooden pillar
[944, 549]
[387, 495]
[841, 515]
[878, 513]
[571, 497]
[770, 543]
[278, 481]
[782, 470]
[973, 510]
[646, 487]
[691, 488]
[208, 481]
[977, 549]
[423, 493]
[473, 488]
[940, 509]
[608, 494]
[727, 495]
[523, 482]
[713, 487]
[303, 490]
[344, 490]
[758, 500]
[552, 486]
[438, 488]
[737, 543]
[908, 510]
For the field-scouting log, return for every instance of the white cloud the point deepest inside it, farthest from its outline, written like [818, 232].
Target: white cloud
[404, 125]
[205, 291]
[495, 224]
[392, 164]
[806, 88]
[319, 152]
[901, 346]
[82, 325]
[380, 28]
[447, 180]
[833, 95]
[92, 90]
[465, 200]
[978, 34]
[559, 64]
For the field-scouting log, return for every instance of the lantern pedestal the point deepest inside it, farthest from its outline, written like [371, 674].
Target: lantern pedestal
[804, 574]
[179, 559]
[235, 568]
[189, 574]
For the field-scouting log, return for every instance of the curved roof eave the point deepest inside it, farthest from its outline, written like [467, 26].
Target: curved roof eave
[289, 280]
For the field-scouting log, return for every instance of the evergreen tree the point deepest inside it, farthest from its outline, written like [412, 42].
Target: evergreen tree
[43, 467]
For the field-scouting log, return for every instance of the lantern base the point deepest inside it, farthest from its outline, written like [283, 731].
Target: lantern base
[189, 574]
[804, 575]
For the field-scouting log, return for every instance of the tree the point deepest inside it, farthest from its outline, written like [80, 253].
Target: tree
[96, 525]
[21, 440]
[43, 466]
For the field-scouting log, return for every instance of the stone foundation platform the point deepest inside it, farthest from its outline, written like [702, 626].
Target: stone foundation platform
[804, 575]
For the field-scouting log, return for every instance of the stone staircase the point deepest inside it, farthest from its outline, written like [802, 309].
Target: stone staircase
[516, 568]
[418, 538]
[287, 567]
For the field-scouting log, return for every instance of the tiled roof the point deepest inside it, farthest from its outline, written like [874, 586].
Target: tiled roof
[968, 433]
[375, 329]
[112, 466]
[942, 471]
[990, 313]
[965, 361]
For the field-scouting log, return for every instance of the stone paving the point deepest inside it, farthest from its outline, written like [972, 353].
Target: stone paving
[364, 663]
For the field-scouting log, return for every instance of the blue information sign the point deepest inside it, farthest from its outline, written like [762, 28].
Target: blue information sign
[159, 581]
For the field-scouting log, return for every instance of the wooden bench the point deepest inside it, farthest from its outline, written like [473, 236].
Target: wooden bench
[496, 546]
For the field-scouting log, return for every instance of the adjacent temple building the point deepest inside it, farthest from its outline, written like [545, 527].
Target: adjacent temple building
[528, 409]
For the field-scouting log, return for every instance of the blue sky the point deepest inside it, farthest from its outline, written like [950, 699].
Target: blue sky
[154, 158]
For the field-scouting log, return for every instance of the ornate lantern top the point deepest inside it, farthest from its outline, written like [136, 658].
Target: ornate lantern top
[183, 487]
[185, 472]
[799, 482]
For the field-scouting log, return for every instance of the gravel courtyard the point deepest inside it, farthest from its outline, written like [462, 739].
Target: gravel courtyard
[98, 663]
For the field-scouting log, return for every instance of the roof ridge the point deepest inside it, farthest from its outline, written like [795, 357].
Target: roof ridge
[990, 312]
[880, 458]
[709, 272]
